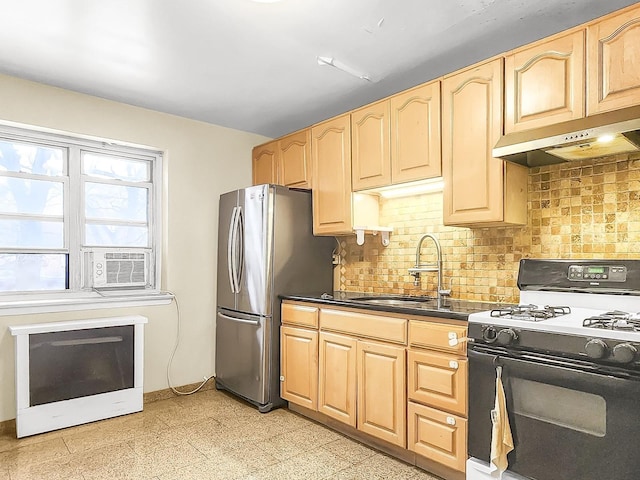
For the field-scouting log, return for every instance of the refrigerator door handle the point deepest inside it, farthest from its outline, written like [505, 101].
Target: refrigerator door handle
[239, 320]
[231, 251]
[240, 241]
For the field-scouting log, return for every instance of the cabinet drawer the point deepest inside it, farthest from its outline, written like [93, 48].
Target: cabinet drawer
[388, 329]
[438, 436]
[438, 380]
[300, 315]
[437, 336]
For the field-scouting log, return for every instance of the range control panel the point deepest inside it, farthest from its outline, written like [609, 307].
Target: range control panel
[598, 273]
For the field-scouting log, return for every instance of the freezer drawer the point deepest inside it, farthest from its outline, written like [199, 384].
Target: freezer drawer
[242, 354]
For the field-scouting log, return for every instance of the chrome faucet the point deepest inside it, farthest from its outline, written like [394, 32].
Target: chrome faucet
[430, 267]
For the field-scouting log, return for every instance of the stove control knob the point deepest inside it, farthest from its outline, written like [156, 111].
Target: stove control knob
[596, 348]
[624, 353]
[506, 336]
[489, 334]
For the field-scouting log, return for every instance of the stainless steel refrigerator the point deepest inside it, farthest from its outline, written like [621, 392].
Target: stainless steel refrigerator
[265, 248]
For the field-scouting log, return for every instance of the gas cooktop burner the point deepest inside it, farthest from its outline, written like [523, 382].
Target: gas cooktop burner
[615, 320]
[532, 313]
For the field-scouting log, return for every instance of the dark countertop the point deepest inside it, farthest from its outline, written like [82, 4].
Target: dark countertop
[453, 309]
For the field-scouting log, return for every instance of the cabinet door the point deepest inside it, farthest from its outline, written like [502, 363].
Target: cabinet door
[476, 184]
[613, 62]
[337, 382]
[294, 167]
[415, 134]
[331, 177]
[381, 392]
[438, 380]
[438, 436]
[371, 165]
[265, 163]
[545, 83]
[299, 366]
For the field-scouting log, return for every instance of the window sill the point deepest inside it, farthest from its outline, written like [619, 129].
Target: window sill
[65, 302]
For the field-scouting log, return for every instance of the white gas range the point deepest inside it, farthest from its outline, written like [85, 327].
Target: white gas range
[570, 357]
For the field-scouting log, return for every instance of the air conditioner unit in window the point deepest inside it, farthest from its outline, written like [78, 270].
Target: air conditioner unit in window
[112, 268]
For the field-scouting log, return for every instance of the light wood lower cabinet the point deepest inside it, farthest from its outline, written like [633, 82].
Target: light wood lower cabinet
[438, 436]
[381, 391]
[438, 379]
[437, 385]
[353, 369]
[299, 366]
[337, 377]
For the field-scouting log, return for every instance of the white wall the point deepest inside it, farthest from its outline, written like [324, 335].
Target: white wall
[201, 162]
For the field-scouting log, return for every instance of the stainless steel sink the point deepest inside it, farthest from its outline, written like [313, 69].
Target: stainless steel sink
[394, 300]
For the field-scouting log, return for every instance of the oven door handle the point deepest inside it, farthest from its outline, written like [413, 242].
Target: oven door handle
[562, 372]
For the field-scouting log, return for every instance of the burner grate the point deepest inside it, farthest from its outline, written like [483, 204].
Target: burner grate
[615, 320]
[531, 312]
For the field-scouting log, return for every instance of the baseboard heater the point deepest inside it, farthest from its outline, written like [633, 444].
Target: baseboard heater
[75, 372]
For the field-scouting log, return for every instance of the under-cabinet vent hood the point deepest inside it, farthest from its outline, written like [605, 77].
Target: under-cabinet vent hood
[595, 136]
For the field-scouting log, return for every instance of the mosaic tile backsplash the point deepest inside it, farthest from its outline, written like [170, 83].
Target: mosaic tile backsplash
[585, 209]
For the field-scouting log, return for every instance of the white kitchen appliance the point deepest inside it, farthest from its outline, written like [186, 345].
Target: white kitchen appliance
[570, 362]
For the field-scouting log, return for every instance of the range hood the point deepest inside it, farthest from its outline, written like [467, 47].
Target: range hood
[595, 136]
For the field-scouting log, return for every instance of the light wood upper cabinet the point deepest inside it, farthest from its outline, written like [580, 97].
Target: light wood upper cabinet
[479, 189]
[613, 62]
[381, 391]
[545, 83]
[331, 176]
[265, 163]
[299, 366]
[397, 140]
[415, 134]
[370, 153]
[294, 161]
[337, 377]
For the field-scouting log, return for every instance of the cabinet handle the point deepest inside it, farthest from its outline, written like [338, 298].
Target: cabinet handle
[451, 420]
[282, 378]
[453, 364]
[454, 340]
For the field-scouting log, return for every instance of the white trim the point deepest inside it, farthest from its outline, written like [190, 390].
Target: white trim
[67, 302]
[76, 325]
[67, 413]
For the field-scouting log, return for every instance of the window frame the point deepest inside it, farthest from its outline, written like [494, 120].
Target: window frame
[74, 222]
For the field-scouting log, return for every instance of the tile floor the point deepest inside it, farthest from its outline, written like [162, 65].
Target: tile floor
[208, 435]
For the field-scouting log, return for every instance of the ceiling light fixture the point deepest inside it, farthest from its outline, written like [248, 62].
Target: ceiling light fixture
[332, 62]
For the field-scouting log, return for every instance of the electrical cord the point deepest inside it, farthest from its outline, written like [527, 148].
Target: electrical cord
[173, 353]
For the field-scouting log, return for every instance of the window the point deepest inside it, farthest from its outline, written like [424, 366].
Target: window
[73, 211]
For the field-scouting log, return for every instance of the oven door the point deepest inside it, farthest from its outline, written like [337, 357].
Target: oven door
[569, 420]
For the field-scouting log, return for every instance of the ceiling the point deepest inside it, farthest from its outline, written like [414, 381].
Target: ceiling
[253, 66]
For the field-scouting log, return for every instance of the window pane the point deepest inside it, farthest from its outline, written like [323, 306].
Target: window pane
[109, 166]
[33, 271]
[23, 195]
[115, 202]
[30, 158]
[116, 236]
[31, 234]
